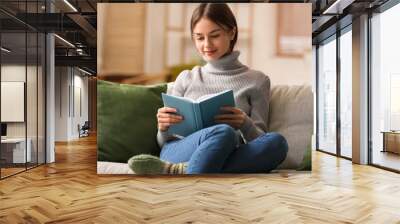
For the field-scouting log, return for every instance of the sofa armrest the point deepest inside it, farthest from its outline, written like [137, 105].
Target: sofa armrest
[292, 115]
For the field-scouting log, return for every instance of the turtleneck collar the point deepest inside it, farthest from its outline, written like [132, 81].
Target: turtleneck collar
[227, 64]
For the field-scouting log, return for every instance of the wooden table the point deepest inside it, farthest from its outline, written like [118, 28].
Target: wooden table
[391, 141]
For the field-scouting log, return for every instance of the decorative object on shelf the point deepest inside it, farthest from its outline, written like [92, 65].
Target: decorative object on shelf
[293, 40]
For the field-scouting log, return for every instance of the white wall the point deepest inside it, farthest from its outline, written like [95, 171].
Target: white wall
[154, 38]
[281, 70]
[68, 83]
[13, 73]
[62, 81]
[81, 84]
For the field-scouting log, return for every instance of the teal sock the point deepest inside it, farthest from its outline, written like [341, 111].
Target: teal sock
[148, 164]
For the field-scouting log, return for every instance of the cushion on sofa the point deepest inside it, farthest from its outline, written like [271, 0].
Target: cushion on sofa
[306, 164]
[126, 120]
[291, 114]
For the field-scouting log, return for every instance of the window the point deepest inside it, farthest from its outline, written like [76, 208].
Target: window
[346, 93]
[327, 96]
[385, 85]
[394, 102]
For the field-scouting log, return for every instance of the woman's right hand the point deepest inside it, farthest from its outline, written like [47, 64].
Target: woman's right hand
[166, 116]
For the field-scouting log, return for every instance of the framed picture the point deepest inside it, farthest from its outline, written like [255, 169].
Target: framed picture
[293, 36]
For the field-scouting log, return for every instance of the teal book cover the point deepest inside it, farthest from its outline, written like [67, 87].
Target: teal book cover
[197, 114]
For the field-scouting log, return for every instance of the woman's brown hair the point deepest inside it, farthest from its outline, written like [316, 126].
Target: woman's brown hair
[219, 13]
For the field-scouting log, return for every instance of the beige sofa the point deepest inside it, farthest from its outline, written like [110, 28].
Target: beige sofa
[291, 114]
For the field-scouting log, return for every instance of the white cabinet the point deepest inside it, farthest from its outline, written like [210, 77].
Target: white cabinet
[17, 146]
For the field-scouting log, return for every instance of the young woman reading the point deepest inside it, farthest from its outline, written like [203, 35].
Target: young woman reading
[238, 143]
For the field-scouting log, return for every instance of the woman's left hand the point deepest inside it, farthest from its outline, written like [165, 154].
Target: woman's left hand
[232, 116]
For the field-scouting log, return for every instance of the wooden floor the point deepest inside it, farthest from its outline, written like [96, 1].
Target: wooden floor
[387, 159]
[10, 171]
[70, 191]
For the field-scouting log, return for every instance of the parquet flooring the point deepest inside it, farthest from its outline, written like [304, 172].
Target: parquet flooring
[9, 171]
[70, 191]
[387, 159]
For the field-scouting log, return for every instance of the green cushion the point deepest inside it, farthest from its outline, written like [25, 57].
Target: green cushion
[306, 163]
[126, 120]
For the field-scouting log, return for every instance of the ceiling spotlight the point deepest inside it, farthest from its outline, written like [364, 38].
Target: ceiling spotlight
[79, 51]
[64, 40]
[70, 5]
[5, 50]
[337, 7]
[84, 71]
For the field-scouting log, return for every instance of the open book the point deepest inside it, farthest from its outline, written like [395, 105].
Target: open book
[197, 114]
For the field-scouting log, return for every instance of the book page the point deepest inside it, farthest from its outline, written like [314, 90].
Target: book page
[212, 106]
[208, 96]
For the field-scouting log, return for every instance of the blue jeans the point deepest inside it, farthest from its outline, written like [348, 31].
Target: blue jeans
[215, 150]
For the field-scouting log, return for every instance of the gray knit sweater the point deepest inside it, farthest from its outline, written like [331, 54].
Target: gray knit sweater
[251, 91]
